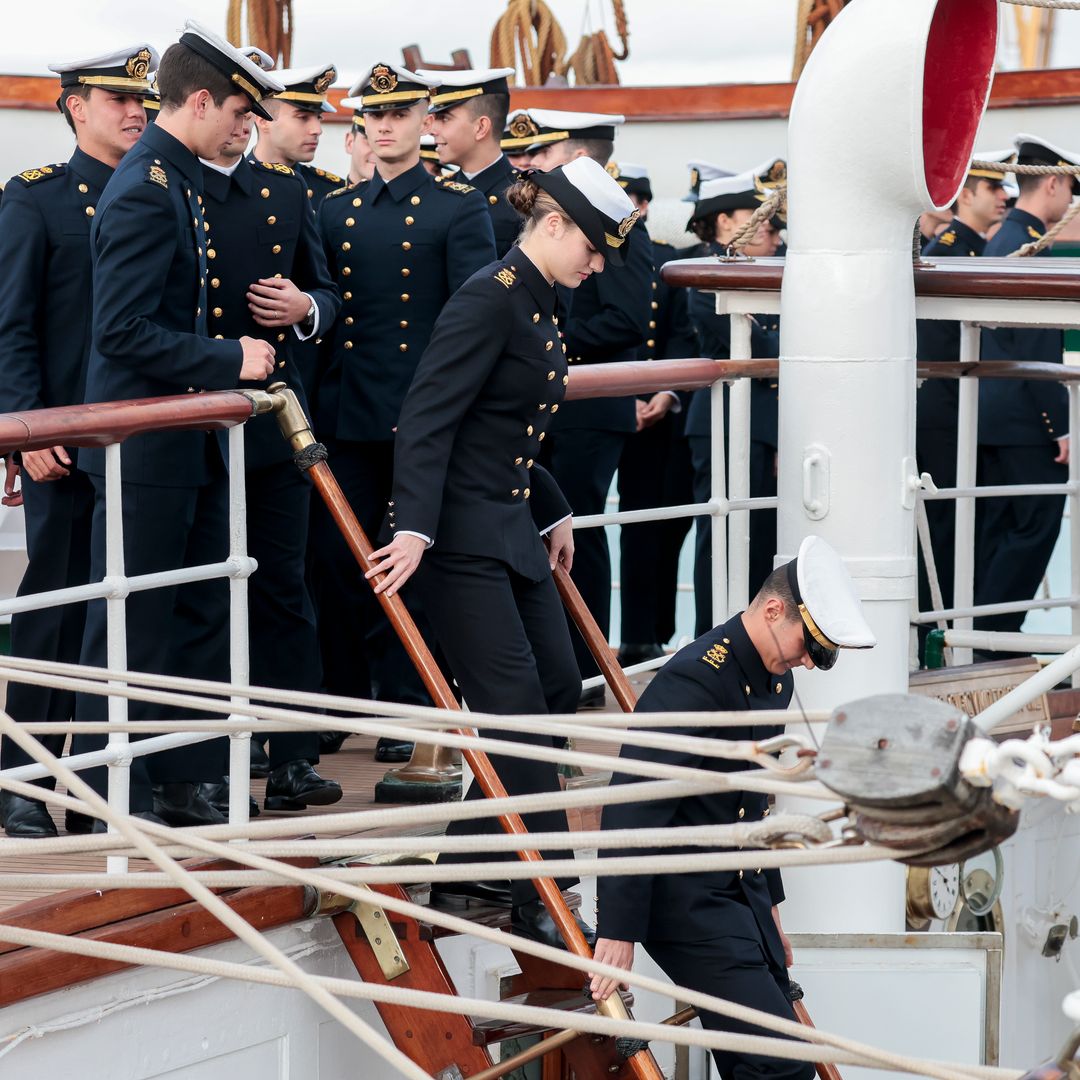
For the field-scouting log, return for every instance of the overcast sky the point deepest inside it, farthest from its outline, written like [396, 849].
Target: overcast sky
[671, 41]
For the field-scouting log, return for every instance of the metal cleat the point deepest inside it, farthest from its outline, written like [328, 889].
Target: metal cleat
[895, 761]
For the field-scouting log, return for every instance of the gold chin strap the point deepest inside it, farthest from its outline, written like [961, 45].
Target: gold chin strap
[456, 95]
[812, 626]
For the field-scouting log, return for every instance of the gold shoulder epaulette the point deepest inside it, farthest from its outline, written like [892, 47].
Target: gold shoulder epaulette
[277, 166]
[42, 172]
[456, 185]
[344, 188]
[947, 238]
[507, 277]
[1034, 233]
[157, 175]
[329, 176]
[716, 656]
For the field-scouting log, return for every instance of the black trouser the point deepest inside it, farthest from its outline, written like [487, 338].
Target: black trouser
[178, 630]
[505, 640]
[58, 516]
[762, 526]
[1015, 536]
[736, 969]
[654, 471]
[361, 654]
[284, 648]
[583, 462]
[936, 454]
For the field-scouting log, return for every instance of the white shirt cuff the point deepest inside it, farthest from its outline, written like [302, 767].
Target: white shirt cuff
[314, 323]
[567, 517]
[427, 539]
[676, 405]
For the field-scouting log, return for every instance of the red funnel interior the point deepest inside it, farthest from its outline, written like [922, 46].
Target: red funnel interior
[956, 80]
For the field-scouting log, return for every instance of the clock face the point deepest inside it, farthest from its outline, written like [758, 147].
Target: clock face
[944, 889]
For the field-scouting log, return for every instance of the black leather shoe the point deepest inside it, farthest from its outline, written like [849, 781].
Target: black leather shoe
[145, 815]
[76, 824]
[630, 654]
[593, 698]
[470, 894]
[296, 785]
[532, 921]
[393, 750]
[181, 804]
[217, 795]
[330, 742]
[260, 763]
[26, 818]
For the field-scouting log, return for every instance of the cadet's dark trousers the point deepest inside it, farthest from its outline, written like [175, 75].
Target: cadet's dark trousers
[654, 471]
[179, 630]
[762, 526]
[361, 654]
[1015, 537]
[57, 516]
[504, 638]
[736, 969]
[583, 462]
[936, 454]
[284, 648]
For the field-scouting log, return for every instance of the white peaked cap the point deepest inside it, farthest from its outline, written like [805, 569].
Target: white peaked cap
[827, 592]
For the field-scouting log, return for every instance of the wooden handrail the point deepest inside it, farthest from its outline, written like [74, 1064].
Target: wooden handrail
[594, 637]
[295, 428]
[983, 278]
[102, 423]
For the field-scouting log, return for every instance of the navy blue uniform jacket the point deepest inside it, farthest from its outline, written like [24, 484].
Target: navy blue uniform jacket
[397, 252]
[150, 337]
[473, 421]
[939, 339]
[721, 670]
[1021, 412]
[604, 320]
[505, 220]
[262, 226]
[45, 312]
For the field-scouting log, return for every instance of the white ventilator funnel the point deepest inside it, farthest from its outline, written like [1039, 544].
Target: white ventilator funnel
[882, 128]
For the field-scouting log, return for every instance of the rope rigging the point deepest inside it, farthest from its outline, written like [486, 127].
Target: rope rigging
[269, 27]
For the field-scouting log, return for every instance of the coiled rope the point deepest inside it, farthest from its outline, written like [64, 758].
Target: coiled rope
[269, 26]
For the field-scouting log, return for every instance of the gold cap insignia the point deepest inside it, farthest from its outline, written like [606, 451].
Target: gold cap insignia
[628, 223]
[612, 169]
[383, 80]
[138, 66]
[695, 179]
[323, 82]
[256, 58]
[522, 127]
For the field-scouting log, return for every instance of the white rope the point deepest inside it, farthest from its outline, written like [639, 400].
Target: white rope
[243, 930]
[1053, 5]
[553, 1018]
[583, 964]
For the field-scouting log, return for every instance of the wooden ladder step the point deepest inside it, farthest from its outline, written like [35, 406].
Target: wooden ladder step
[487, 1032]
[496, 918]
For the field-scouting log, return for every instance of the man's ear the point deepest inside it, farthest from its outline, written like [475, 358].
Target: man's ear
[483, 128]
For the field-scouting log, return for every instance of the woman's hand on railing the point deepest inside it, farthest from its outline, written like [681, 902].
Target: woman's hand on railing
[560, 543]
[398, 561]
[619, 954]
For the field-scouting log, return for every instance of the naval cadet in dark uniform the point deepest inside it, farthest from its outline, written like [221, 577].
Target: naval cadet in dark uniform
[398, 246]
[654, 469]
[719, 932]
[723, 207]
[1023, 424]
[269, 280]
[980, 204]
[468, 110]
[150, 270]
[518, 138]
[44, 342]
[292, 136]
[470, 500]
[605, 321]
